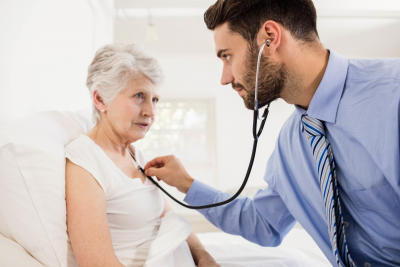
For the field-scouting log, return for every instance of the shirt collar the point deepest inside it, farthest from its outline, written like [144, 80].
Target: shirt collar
[325, 102]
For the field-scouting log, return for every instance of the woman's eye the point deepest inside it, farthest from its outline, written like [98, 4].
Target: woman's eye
[155, 100]
[140, 95]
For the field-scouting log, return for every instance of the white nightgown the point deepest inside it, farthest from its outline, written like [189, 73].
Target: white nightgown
[139, 236]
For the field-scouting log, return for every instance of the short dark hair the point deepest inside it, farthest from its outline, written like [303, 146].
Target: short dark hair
[246, 17]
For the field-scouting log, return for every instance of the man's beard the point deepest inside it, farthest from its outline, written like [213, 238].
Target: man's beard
[271, 80]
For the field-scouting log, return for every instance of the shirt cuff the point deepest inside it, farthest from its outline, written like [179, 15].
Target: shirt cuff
[200, 194]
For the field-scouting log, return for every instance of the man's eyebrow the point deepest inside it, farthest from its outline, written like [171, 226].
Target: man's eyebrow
[220, 52]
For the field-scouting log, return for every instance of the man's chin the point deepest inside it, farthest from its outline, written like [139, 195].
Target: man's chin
[248, 103]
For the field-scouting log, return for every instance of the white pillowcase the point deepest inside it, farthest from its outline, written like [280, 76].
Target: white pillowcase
[32, 183]
[12, 254]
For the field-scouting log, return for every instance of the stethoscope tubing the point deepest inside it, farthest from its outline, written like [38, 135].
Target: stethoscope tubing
[253, 154]
[257, 76]
[256, 135]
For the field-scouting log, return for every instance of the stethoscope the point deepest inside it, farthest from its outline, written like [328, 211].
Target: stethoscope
[256, 135]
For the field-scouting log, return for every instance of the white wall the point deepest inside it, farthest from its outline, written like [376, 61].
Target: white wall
[45, 49]
[198, 77]
[186, 52]
[47, 45]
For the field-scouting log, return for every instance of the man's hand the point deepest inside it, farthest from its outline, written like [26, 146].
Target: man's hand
[171, 171]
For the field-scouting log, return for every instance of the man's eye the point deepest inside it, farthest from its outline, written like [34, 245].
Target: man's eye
[228, 58]
[155, 100]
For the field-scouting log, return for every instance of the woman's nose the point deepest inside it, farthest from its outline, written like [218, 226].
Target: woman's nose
[149, 109]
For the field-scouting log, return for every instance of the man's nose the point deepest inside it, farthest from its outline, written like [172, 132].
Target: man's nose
[227, 76]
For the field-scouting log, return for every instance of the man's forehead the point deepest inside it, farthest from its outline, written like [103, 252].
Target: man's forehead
[221, 34]
[224, 38]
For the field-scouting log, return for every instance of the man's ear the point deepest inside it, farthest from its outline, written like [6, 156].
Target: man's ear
[270, 30]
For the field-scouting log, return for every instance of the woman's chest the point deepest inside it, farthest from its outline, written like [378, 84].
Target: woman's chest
[130, 204]
[128, 167]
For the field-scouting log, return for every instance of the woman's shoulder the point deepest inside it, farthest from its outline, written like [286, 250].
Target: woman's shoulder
[80, 139]
[84, 152]
[82, 147]
[82, 142]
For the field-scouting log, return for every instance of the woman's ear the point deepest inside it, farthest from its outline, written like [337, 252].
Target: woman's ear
[98, 101]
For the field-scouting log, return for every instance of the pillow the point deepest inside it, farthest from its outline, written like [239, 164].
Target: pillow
[12, 254]
[32, 183]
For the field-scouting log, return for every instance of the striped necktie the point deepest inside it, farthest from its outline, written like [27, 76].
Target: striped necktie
[328, 183]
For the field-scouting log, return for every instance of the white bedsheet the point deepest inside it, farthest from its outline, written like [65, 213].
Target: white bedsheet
[169, 248]
[297, 250]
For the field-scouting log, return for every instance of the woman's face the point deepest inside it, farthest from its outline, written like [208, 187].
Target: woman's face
[133, 110]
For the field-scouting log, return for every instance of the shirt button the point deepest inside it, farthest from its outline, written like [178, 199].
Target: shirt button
[346, 224]
[367, 264]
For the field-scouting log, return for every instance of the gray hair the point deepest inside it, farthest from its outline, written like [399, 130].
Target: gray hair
[113, 65]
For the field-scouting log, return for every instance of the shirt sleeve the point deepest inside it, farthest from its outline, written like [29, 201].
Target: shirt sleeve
[86, 157]
[265, 220]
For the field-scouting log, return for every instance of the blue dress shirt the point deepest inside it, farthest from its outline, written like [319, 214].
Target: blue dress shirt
[359, 102]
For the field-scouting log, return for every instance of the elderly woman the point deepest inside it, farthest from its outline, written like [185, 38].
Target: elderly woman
[115, 215]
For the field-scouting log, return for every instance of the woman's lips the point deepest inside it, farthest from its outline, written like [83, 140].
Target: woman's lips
[144, 126]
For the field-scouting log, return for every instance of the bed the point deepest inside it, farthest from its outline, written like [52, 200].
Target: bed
[33, 228]
[297, 250]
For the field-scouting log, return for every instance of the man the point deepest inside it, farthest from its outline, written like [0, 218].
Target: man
[336, 165]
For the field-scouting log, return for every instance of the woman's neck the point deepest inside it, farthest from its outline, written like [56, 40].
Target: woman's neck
[108, 139]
